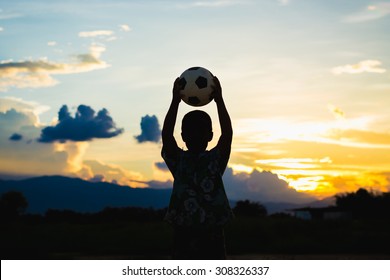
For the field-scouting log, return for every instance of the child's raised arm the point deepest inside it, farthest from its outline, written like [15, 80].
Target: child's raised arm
[225, 141]
[169, 143]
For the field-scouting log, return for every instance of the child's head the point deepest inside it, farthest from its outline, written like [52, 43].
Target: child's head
[196, 130]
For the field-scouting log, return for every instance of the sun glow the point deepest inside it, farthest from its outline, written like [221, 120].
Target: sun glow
[295, 163]
[240, 168]
[332, 152]
[306, 183]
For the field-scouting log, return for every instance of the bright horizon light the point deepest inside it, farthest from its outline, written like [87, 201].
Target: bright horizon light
[306, 85]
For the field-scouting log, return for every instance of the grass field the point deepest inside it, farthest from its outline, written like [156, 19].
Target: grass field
[246, 238]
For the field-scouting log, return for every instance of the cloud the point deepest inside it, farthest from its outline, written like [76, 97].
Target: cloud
[113, 173]
[26, 157]
[261, 186]
[212, 4]
[8, 15]
[97, 178]
[38, 73]
[154, 184]
[370, 66]
[125, 27]
[96, 33]
[31, 158]
[1, 28]
[16, 137]
[361, 136]
[84, 126]
[51, 43]
[161, 166]
[29, 108]
[150, 130]
[18, 119]
[371, 12]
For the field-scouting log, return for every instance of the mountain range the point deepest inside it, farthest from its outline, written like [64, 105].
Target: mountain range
[59, 192]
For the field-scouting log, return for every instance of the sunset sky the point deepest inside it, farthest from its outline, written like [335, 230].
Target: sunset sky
[306, 83]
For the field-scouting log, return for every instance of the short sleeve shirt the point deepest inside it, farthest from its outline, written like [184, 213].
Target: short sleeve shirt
[198, 197]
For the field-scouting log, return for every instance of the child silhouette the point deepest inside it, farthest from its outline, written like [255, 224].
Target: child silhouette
[198, 207]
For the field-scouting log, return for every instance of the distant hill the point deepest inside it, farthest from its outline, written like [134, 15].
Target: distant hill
[59, 192]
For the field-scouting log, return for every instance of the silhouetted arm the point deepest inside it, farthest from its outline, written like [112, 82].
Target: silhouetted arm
[169, 143]
[225, 141]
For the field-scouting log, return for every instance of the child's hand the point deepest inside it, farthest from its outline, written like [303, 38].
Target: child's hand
[217, 90]
[176, 91]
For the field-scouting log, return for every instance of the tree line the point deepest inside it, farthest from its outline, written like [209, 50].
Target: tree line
[13, 206]
[365, 204]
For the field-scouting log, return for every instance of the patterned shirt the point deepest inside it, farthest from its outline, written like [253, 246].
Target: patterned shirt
[198, 197]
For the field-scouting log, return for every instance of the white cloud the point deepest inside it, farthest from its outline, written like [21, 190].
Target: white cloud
[51, 43]
[370, 66]
[212, 4]
[95, 33]
[125, 27]
[29, 108]
[112, 38]
[38, 73]
[371, 12]
[1, 28]
[5, 15]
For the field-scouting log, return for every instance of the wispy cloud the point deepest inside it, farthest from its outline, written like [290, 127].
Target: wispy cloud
[1, 28]
[6, 15]
[361, 136]
[39, 73]
[95, 33]
[212, 4]
[371, 12]
[125, 27]
[370, 66]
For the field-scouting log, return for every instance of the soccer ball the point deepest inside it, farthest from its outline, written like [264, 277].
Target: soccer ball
[196, 86]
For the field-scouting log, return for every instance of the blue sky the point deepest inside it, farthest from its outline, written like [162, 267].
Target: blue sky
[306, 83]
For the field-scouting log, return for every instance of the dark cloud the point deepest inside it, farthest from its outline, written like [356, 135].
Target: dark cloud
[160, 184]
[16, 137]
[97, 178]
[84, 126]
[150, 130]
[161, 166]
